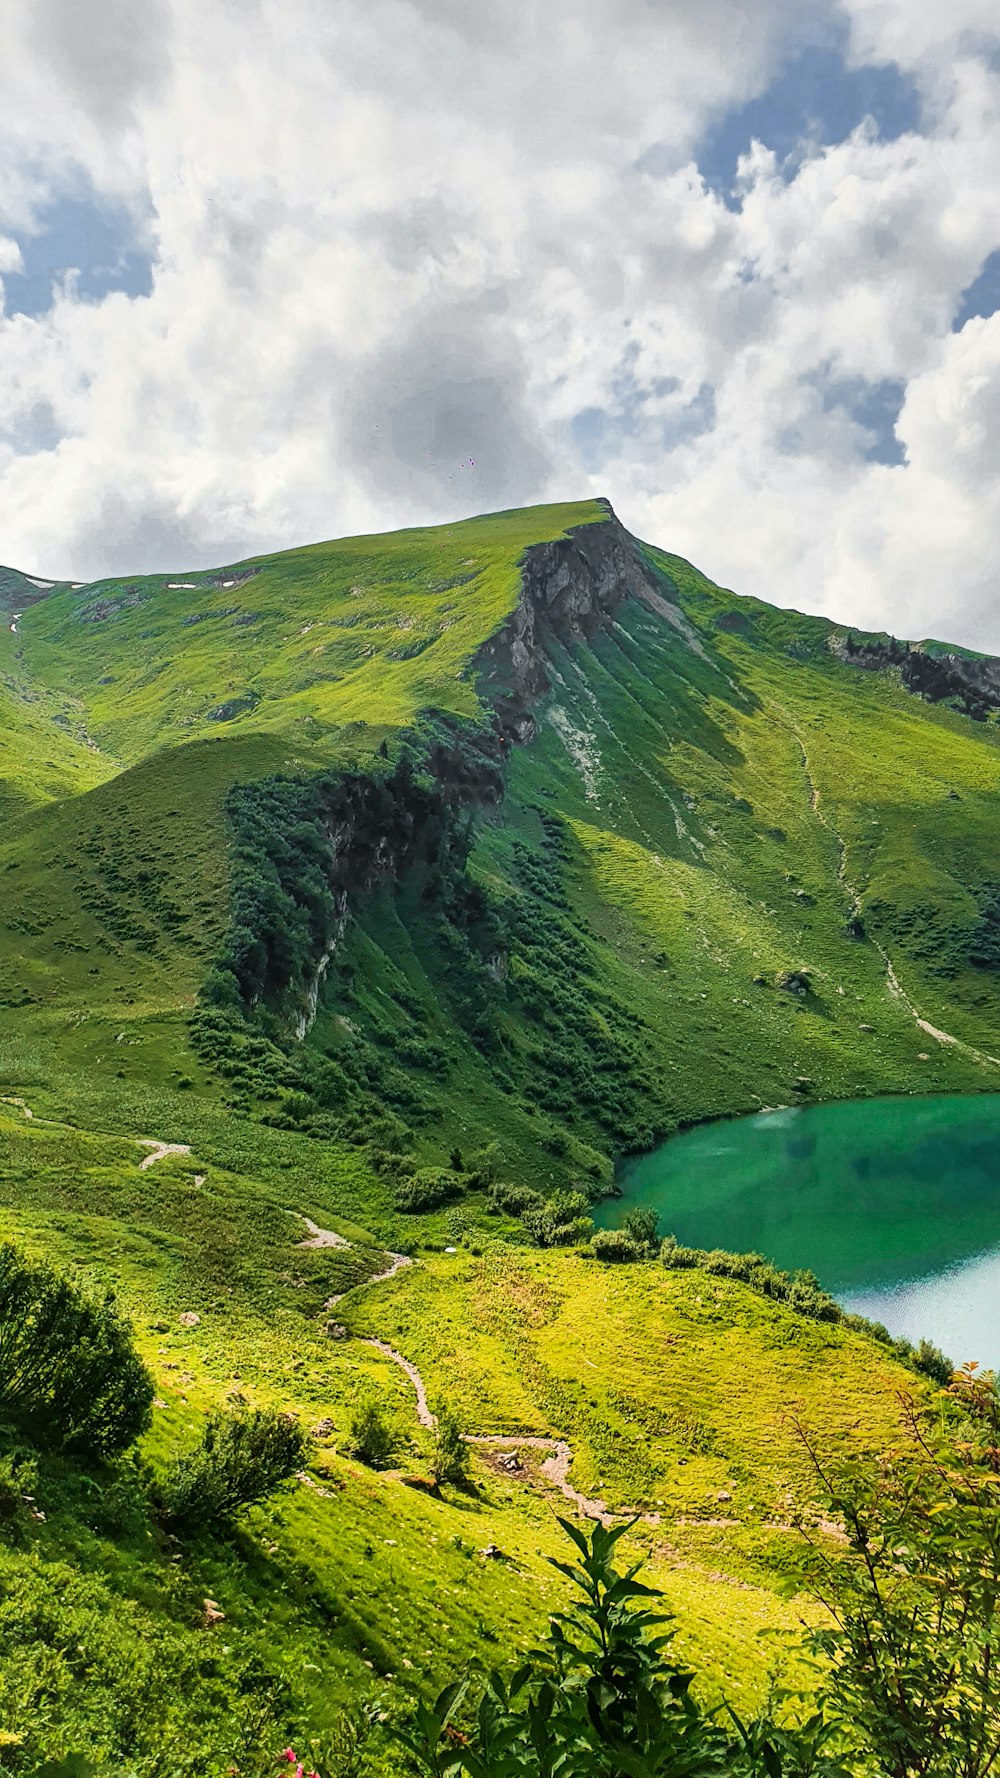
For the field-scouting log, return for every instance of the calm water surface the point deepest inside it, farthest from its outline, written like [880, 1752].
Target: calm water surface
[894, 1203]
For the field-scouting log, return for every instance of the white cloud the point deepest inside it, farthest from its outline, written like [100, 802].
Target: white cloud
[400, 246]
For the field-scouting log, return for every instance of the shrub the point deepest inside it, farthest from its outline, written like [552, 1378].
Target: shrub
[558, 1221]
[450, 1462]
[640, 1226]
[425, 1189]
[70, 1377]
[933, 1363]
[503, 1195]
[614, 1245]
[18, 1479]
[373, 1438]
[242, 1457]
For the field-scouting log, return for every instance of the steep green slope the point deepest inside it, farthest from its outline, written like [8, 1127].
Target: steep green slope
[365, 630]
[713, 862]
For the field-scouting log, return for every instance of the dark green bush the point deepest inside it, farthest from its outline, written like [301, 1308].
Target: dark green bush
[450, 1461]
[242, 1458]
[70, 1377]
[559, 1221]
[512, 1199]
[614, 1246]
[18, 1480]
[373, 1438]
[425, 1189]
[640, 1225]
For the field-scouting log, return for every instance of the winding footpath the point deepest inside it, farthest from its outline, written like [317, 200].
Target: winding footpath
[159, 1150]
[557, 1464]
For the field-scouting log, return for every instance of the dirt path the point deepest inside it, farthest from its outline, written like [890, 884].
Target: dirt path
[399, 1260]
[318, 1237]
[160, 1150]
[21, 1106]
[555, 1469]
[896, 990]
[556, 1466]
[424, 1414]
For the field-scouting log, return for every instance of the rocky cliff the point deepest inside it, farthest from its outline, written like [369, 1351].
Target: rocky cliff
[570, 589]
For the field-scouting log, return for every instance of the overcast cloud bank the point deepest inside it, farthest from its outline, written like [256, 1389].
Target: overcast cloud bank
[383, 263]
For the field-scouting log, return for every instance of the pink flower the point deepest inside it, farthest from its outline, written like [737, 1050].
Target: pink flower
[289, 1755]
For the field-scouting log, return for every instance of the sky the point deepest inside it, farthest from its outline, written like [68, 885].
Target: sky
[282, 270]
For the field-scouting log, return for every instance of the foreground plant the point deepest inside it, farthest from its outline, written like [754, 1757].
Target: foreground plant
[913, 1630]
[602, 1697]
[70, 1377]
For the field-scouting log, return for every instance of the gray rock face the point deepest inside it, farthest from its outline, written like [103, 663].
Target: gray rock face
[570, 589]
[972, 681]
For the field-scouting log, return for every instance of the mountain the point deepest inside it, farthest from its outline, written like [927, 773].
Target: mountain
[385, 883]
[512, 830]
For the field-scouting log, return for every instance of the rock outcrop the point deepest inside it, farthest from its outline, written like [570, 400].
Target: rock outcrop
[570, 589]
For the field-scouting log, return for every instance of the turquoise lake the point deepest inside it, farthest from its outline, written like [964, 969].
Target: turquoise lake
[893, 1203]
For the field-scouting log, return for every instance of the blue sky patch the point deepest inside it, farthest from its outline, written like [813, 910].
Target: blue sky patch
[598, 433]
[872, 405]
[99, 244]
[816, 100]
[983, 294]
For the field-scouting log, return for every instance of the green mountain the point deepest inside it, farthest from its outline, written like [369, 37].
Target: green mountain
[514, 829]
[384, 883]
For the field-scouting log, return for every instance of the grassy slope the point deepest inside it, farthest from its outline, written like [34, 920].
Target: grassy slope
[702, 794]
[683, 783]
[686, 1393]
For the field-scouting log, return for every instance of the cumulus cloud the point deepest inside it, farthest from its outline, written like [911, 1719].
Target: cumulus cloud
[415, 259]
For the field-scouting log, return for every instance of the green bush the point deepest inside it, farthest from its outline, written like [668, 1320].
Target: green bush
[559, 1221]
[614, 1246]
[640, 1226]
[450, 1461]
[373, 1438]
[426, 1189]
[70, 1377]
[242, 1458]
[513, 1200]
[18, 1480]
